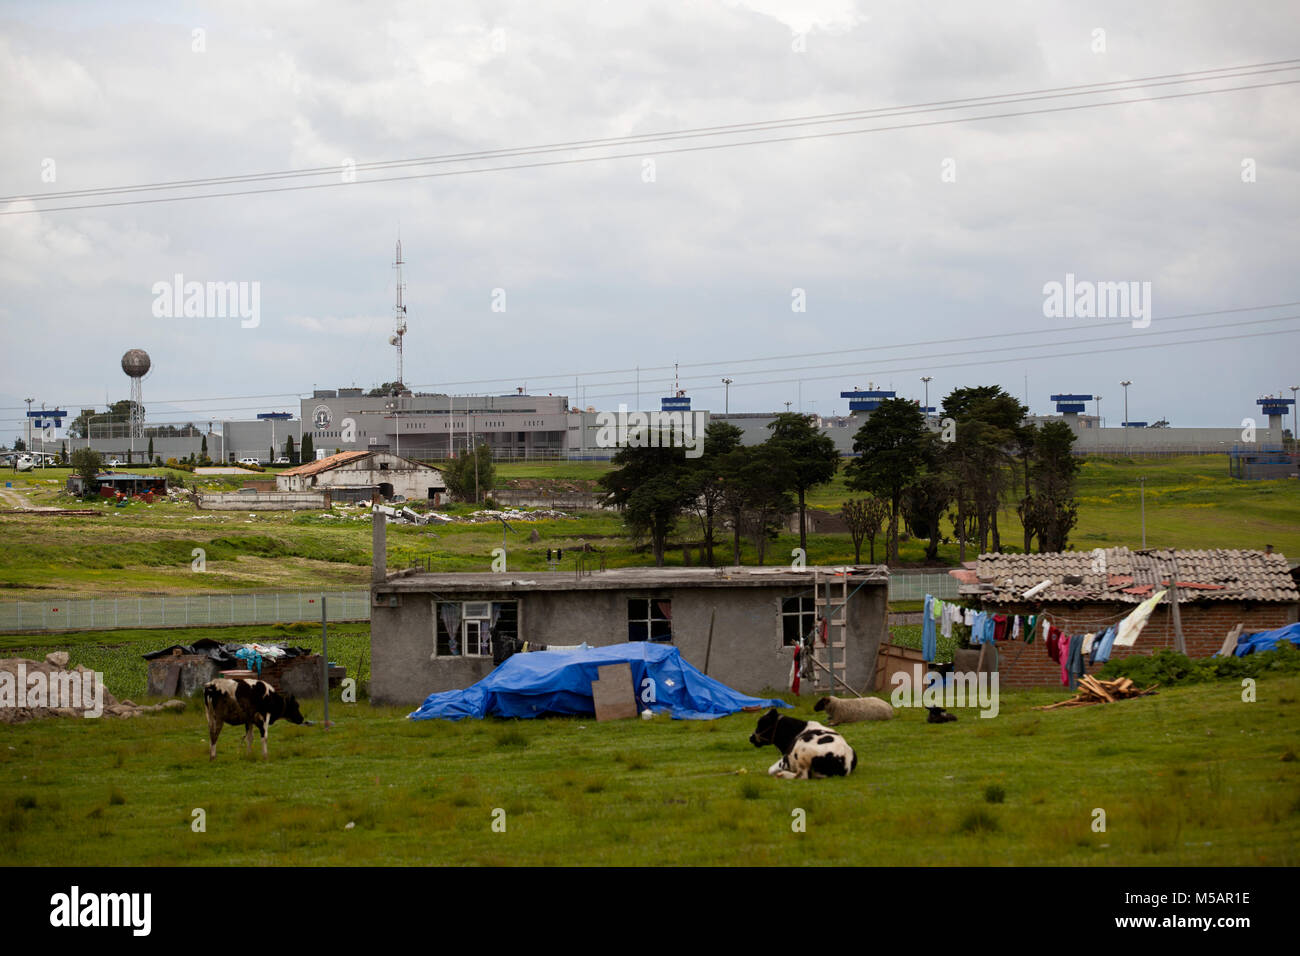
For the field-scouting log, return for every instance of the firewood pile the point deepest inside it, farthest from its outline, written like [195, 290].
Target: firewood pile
[1094, 691]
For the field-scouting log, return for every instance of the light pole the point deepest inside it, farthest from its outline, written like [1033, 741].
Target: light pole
[1125, 422]
[1294, 389]
[1098, 399]
[726, 396]
[28, 447]
[927, 379]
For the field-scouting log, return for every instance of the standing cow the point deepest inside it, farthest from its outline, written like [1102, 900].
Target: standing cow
[253, 703]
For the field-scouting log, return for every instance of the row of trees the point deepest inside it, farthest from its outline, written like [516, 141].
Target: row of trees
[752, 488]
[984, 458]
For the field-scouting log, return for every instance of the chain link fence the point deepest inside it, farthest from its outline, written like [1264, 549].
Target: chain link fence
[182, 610]
[279, 607]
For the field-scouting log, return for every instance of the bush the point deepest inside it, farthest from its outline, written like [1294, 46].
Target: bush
[179, 465]
[1167, 667]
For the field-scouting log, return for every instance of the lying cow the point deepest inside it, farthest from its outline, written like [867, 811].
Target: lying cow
[808, 749]
[253, 703]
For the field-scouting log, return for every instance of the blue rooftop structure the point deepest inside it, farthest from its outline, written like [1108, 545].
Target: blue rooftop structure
[866, 401]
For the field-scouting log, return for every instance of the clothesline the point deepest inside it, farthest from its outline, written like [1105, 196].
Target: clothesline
[1069, 650]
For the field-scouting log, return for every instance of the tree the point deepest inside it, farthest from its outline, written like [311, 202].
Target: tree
[308, 452]
[87, 463]
[864, 516]
[988, 421]
[720, 439]
[150, 451]
[651, 486]
[812, 459]
[924, 504]
[1051, 510]
[270, 454]
[471, 475]
[19, 445]
[893, 446]
[388, 388]
[755, 479]
[288, 450]
[203, 447]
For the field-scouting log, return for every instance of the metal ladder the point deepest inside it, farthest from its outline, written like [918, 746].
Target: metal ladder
[832, 655]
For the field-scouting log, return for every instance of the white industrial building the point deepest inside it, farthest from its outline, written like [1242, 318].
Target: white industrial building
[365, 470]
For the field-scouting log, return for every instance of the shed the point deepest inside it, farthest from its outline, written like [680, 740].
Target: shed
[363, 471]
[1086, 591]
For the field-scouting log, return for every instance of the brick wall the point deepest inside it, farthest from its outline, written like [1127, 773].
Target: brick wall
[1205, 625]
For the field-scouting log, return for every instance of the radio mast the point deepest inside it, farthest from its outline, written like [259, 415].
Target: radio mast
[399, 323]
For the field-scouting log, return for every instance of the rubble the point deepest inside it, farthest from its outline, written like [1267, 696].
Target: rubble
[18, 683]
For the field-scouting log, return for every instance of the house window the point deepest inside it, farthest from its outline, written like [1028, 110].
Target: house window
[649, 619]
[469, 628]
[798, 617]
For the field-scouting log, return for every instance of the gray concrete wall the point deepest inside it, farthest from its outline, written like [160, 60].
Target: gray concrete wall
[264, 501]
[747, 651]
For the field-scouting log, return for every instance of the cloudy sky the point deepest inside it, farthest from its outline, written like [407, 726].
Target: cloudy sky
[914, 251]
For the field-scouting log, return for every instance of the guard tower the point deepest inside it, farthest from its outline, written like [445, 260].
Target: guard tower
[1070, 406]
[866, 400]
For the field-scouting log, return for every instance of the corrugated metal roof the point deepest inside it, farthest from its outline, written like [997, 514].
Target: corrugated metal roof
[1124, 576]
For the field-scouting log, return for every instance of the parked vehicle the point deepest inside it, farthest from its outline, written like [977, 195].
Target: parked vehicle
[250, 461]
[282, 460]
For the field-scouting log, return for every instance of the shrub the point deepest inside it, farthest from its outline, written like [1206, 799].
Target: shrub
[1167, 667]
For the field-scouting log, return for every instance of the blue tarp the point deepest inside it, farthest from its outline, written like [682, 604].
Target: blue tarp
[559, 682]
[1267, 640]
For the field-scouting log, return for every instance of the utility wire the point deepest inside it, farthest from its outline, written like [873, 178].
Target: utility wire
[656, 152]
[1081, 89]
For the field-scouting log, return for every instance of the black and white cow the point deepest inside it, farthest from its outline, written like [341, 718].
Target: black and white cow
[808, 749]
[253, 703]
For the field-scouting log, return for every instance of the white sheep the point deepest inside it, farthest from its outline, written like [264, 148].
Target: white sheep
[847, 710]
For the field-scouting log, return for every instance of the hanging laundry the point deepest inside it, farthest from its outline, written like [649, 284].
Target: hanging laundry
[1073, 668]
[1015, 628]
[1131, 626]
[999, 627]
[1101, 646]
[1053, 642]
[1031, 628]
[928, 640]
[969, 616]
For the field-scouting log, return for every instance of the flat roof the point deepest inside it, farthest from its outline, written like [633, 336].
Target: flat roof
[622, 578]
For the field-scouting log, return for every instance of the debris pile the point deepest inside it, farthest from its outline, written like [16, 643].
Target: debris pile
[30, 690]
[1094, 691]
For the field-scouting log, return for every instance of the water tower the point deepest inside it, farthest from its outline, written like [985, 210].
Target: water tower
[136, 364]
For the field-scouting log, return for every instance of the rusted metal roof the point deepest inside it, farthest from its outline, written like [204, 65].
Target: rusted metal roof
[325, 464]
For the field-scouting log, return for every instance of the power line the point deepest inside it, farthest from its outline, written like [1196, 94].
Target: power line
[999, 99]
[990, 361]
[561, 379]
[657, 152]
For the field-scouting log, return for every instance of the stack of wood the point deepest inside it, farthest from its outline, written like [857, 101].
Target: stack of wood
[1094, 691]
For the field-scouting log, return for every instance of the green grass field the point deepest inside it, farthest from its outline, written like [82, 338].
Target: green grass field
[1191, 502]
[1191, 776]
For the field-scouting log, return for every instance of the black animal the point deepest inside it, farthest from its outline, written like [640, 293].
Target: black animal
[939, 716]
[808, 749]
[253, 703]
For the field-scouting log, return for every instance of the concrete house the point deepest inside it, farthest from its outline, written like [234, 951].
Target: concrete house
[436, 632]
[363, 472]
[1089, 590]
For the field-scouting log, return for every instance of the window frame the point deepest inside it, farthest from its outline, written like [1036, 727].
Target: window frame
[809, 610]
[653, 621]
